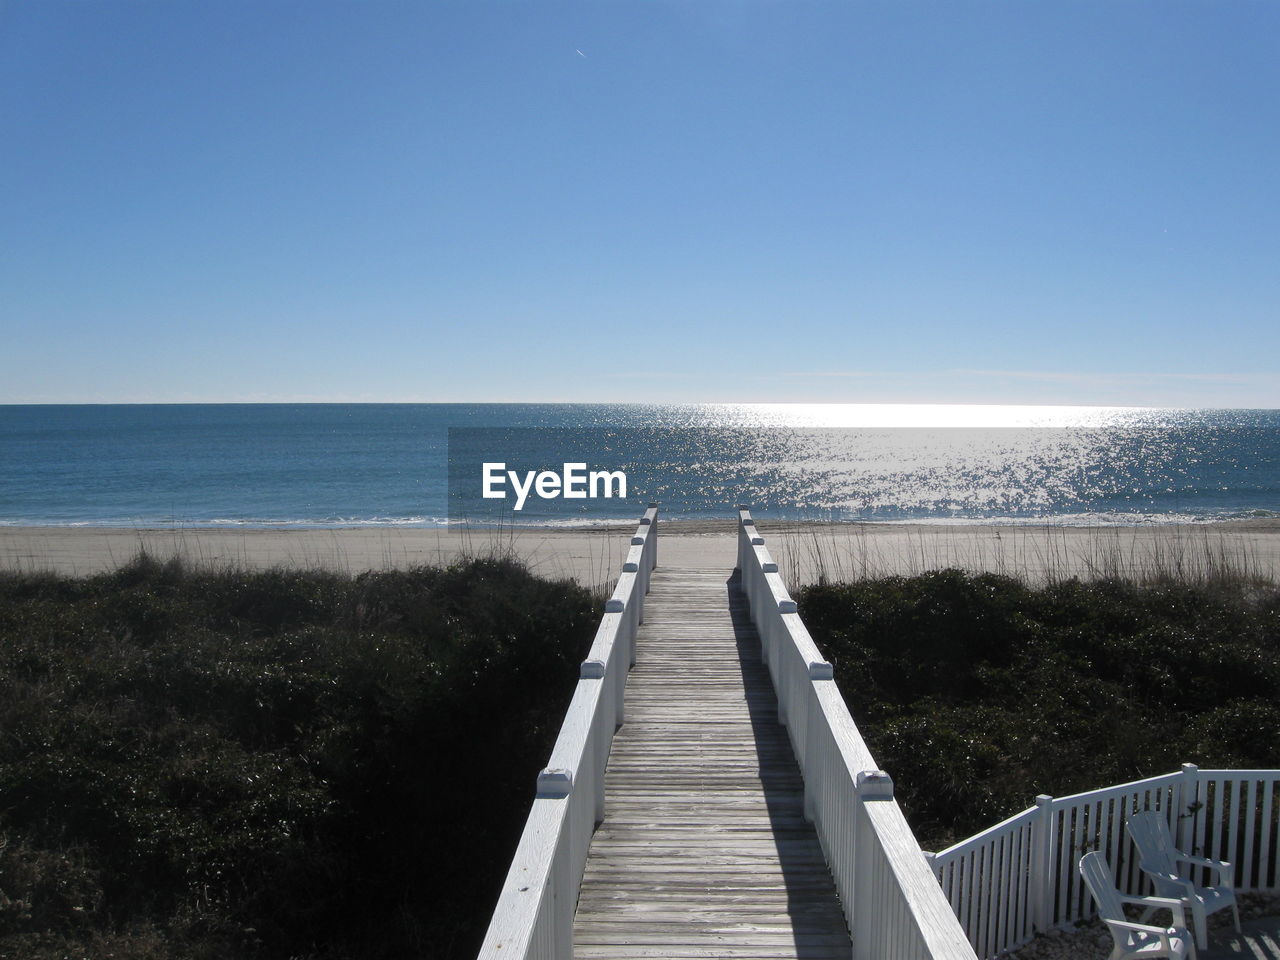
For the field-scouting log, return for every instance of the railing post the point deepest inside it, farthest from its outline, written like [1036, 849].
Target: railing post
[565, 907]
[631, 644]
[637, 599]
[812, 772]
[1185, 824]
[654, 533]
[1042, 864]
[620, 695]
[599, 670]
[556, 783]
[743, 537]
[870, 786]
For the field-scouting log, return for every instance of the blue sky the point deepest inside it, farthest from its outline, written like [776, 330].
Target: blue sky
[996, 202]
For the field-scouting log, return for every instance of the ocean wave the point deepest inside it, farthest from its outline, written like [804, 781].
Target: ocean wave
[169, 523]
[1111, 518]
[1082, 519]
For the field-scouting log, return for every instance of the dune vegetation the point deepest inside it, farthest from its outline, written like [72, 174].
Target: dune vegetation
[281, 764]
[977, 692]
[303, 764]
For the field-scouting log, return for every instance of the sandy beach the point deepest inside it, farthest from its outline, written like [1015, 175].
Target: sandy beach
[805, 552]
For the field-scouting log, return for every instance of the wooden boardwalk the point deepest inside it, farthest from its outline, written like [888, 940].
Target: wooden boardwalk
[704, 850]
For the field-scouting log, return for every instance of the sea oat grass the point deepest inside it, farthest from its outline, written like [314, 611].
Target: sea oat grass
[1044, 554]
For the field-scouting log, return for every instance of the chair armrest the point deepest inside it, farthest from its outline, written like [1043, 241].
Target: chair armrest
[1176, 907]
[1221, 867]
[1161, 932]
[1174, 878]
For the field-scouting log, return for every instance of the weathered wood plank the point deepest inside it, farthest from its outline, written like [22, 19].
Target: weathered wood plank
[704, 851]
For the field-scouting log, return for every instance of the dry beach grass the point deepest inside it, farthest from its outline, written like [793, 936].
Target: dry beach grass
[806, 553]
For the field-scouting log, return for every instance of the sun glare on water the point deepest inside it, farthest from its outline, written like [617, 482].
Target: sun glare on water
[935, 415]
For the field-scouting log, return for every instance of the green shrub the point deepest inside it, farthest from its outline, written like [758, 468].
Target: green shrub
[978, 692]
[278, 764]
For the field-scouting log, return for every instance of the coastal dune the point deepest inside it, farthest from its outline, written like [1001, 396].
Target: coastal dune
[805, 552]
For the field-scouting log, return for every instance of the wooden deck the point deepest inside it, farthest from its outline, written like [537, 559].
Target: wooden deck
[704, 851]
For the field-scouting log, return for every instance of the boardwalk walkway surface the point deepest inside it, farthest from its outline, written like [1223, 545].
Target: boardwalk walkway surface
[704, 850]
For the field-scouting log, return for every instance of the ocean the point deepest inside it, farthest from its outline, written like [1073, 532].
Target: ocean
[337, 465]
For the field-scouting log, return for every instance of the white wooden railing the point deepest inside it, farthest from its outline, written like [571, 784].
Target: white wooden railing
[534, 915]
[892, 902]
[1020, 877]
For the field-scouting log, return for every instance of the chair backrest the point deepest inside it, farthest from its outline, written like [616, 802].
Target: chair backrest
[1149, 831]
[1101, 883]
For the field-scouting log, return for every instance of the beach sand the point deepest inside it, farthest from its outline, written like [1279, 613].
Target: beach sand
[804, 552]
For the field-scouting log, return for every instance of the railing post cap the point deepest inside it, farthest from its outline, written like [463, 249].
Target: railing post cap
[613, 605]
[1043, 800]
[637, 541]
[591, 670]
[757, 541]
[786, 606]
[555, 783]
[769, 567]
[874, 785]
[821, 670]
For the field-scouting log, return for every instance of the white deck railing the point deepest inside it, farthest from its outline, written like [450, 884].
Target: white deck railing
[534, 915]
[1020, 877]
[892, 902]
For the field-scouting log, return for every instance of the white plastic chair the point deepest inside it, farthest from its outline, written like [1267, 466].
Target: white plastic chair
[1135, 939]
[1160, 861]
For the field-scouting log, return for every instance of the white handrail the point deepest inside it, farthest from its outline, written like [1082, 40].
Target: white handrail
[1019, 877]
[533, 919]
[892, 902]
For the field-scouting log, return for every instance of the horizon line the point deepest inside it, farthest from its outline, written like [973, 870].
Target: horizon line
[620, 403]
